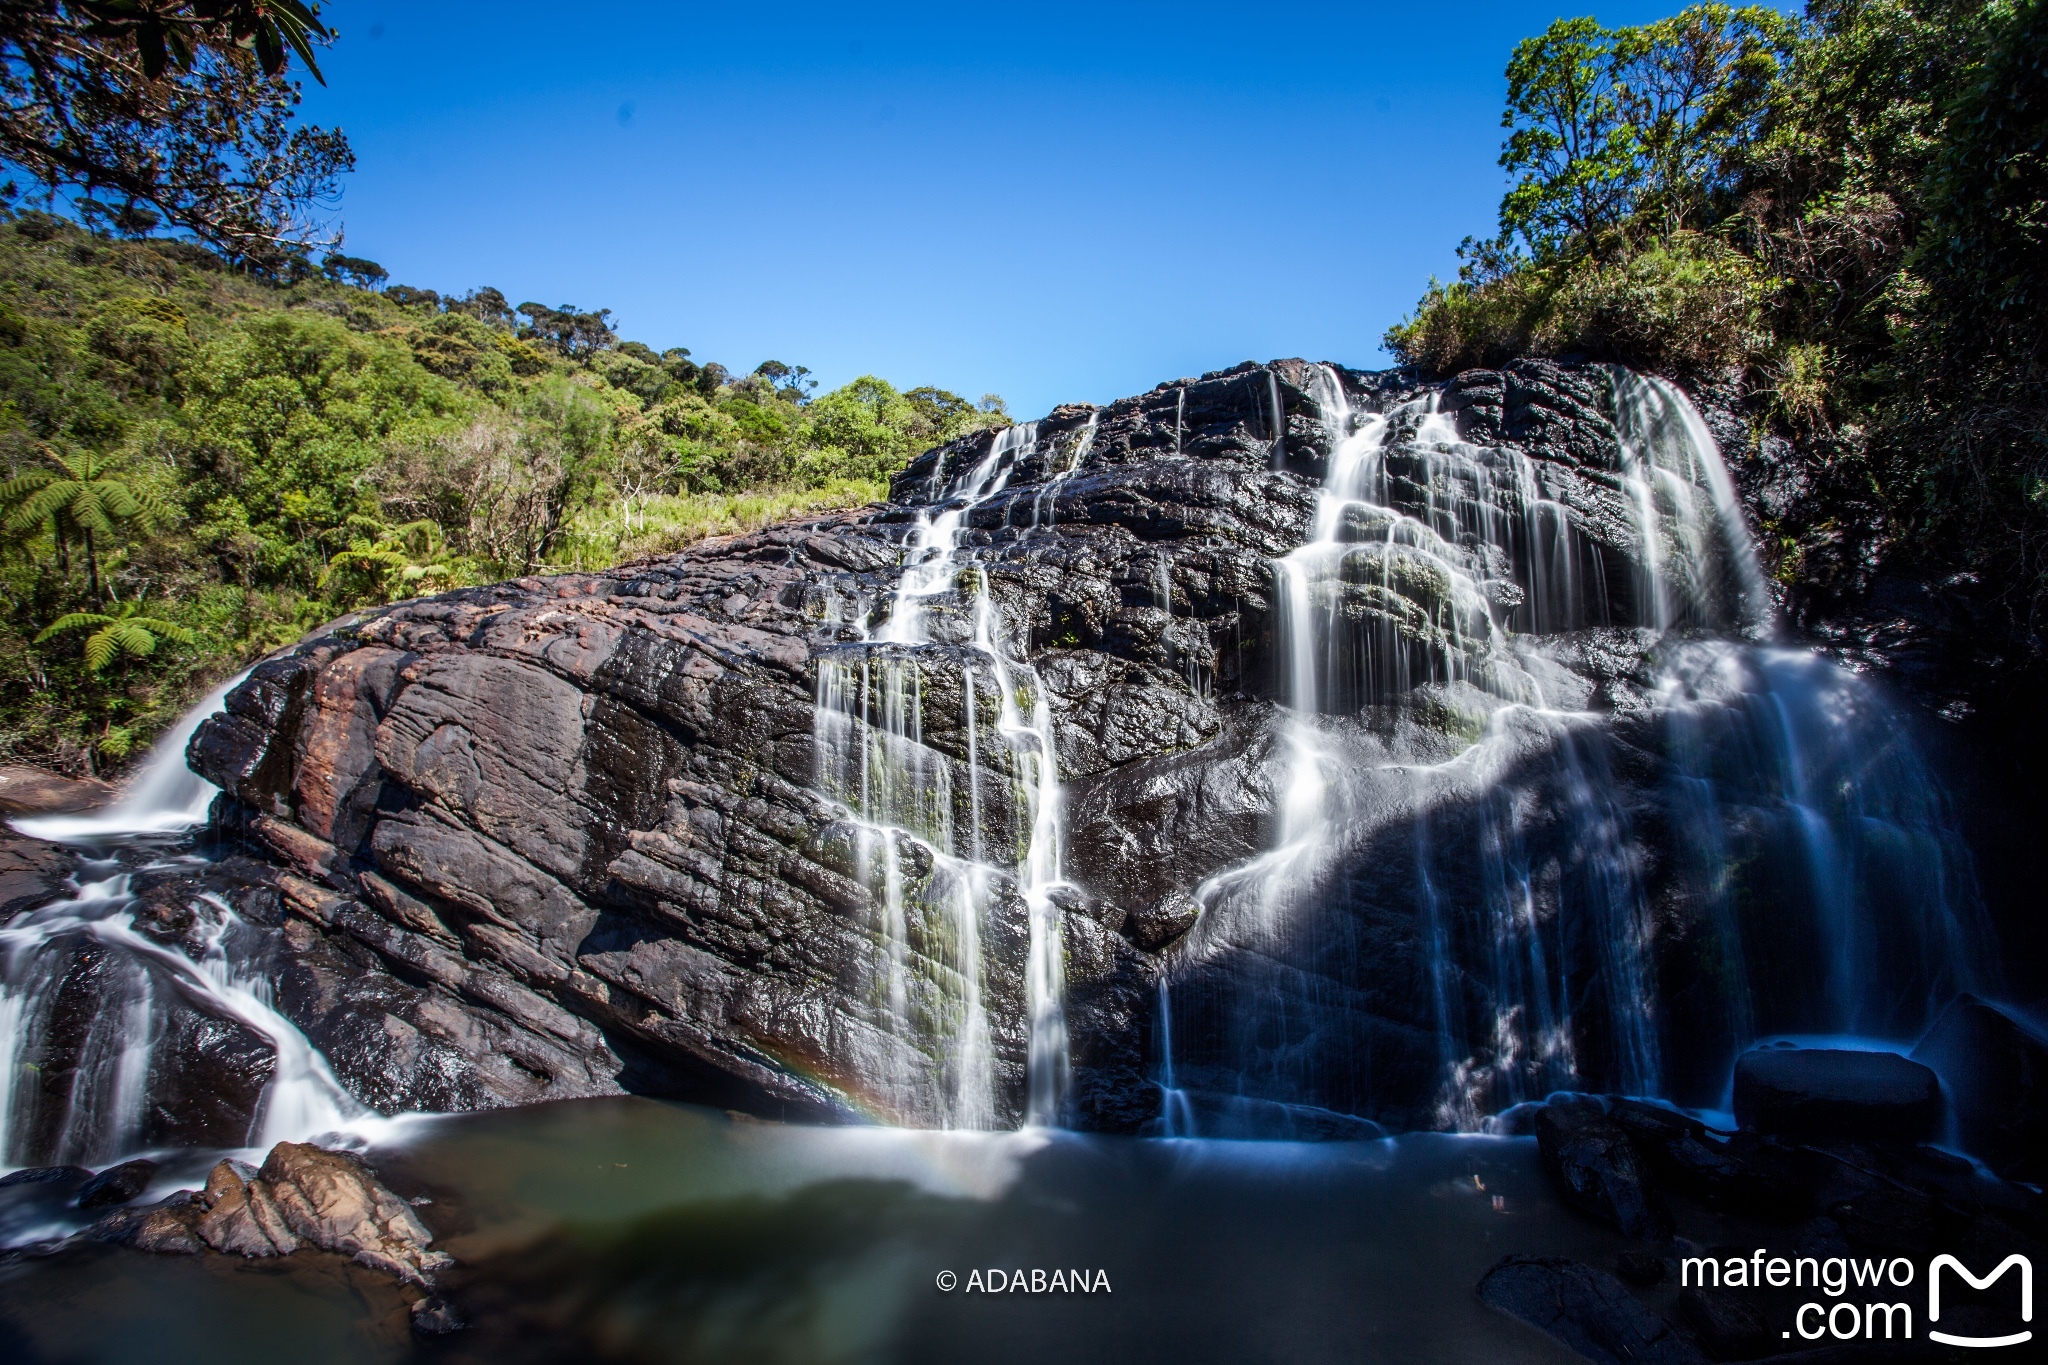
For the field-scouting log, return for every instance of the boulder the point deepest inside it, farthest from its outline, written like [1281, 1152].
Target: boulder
[1833, 1093]
[1996, 1069]
[1594, 1165]
[26, 790]
[333, 1201]
[117, 1184]
[1587, 1309]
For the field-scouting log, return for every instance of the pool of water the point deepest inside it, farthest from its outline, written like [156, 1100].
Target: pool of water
[635, 1230]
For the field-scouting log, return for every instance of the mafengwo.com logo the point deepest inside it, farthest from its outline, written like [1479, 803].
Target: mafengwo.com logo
[1861, 1299]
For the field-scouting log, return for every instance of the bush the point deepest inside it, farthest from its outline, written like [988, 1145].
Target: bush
[1688, 302]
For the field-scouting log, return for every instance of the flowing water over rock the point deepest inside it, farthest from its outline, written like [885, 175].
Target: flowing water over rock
[1287, 752]
[132, 1021]
[1488, 875]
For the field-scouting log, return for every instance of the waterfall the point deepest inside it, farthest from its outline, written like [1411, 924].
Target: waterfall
[938, 742]
[166, 797]
[92, 1004]
[1439, 780]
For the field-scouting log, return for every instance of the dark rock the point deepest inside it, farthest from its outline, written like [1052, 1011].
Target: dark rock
[1891, 1222]
[31, 871]
[117, 1184]
[1163, 921]
[1587, 1309]
[1996, 1069]
[36, 1204]
[69, 1176]
[1727, 1323]
[1594, 1165]
[1828, 1093]
[1639, 1267]
[434, 1316]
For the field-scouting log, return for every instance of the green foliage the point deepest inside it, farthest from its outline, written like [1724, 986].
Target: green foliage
[124, 631]
[252, 460]
[1609, 125]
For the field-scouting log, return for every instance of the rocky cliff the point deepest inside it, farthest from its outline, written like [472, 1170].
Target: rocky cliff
[570, 836]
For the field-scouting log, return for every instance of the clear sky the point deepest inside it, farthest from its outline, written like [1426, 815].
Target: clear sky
[1055, 202]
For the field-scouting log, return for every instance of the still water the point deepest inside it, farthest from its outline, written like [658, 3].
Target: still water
[636, 1230]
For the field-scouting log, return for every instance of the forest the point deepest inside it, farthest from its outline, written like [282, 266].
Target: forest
[201, 462]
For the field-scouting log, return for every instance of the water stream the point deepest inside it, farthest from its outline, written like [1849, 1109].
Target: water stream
[97, 1013]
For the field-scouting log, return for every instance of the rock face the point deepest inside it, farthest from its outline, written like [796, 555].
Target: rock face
[1828, 1093]
[574, 836]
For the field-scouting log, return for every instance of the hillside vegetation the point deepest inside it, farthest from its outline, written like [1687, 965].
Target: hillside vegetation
[200, 464]
[1845, 212]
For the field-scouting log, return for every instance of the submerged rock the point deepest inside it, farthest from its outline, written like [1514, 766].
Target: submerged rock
[1829, 1093]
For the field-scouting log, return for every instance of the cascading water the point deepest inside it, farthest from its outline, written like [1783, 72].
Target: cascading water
[939, 743]
[101, 1020]
[1441, 781]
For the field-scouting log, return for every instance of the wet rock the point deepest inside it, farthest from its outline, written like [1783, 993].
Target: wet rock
[1587, 1309]
[1592, 1162]
[1828, 1093]
[117, 1184]
[1739, 1170]
[31, 871]
[26, 790]
[1639, 1267]
[1996, 1070]
[1163, 921]
[434, 1316]
[242, 1217]
[35, 1204]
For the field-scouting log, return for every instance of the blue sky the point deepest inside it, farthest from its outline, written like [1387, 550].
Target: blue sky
[1055, 202]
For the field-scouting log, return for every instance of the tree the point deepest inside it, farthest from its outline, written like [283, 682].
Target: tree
[571, 332]
[1611, 124]
[179, 109]
[1693, 91]
[353, 270]
[80, 500]
[124, 630]
[1570, 146]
